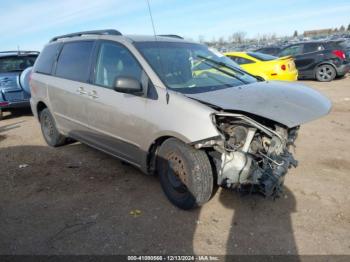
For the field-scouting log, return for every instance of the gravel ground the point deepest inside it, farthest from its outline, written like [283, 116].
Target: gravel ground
[77, 200]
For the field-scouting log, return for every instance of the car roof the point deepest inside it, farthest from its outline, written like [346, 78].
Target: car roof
[112, 34]
[270, 47]
[18, 53]
[152, 38]
[314, 42]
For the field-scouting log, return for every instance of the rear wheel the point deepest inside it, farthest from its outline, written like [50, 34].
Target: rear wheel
[185, 174]
[48, 127]
[325, 73]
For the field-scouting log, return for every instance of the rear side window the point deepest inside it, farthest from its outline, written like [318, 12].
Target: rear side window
[74, 61]
[261, 56]
[46, 59]
[291, 50]
[313, 47]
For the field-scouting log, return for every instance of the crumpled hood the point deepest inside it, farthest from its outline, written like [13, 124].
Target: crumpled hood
[286, 103]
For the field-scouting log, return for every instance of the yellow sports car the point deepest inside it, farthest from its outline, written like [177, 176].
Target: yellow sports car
[266, 66]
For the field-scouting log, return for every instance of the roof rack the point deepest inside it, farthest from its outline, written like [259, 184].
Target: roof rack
[94, 32]
[20, 52]
[173, 36]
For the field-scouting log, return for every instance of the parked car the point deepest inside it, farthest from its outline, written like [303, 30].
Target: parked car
[321, 60]
[345, 45]
[15, 68]
[269, 50]
[266, 66]
[142, 100]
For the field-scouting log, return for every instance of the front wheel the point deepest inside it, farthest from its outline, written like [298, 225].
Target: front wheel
[185, 174]
[48, 127]
[325, 73]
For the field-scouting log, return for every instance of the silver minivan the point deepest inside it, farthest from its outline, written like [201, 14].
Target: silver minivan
[173, 108]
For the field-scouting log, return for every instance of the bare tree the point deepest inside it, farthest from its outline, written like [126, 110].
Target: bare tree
[295, 33]
[238, 37]
[201, 39]
[342, 29]
[221, 41]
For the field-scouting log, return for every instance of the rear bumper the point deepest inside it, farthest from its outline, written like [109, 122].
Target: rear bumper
[16, 98]
[33, 107]
[343, 69]
[9, 105]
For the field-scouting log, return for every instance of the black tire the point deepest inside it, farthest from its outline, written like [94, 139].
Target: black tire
[185, 174]
[325, 73]
[48, 128]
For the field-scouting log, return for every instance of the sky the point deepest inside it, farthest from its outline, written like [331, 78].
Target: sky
[30, 24]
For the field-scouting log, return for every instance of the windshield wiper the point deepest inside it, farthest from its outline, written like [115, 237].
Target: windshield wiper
[221, 70]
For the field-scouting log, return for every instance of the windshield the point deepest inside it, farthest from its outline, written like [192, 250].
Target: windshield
[261, 56]
[192, 68]
[16, 63]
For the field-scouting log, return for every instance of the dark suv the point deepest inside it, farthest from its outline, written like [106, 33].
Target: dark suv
[321, 60]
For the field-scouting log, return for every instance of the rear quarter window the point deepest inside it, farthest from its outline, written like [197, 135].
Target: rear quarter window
[313, 47]
[46, 59]
[74, 61]
[291, 50]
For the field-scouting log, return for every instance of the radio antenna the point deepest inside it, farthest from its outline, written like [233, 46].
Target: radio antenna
[155, 38]
[150, 14]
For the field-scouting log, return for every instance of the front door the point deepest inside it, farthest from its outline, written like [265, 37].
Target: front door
[117, 120]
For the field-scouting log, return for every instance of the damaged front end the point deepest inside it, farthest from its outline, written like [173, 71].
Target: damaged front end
[250, 153]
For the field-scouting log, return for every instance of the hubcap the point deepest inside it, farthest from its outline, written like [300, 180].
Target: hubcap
[325, 72]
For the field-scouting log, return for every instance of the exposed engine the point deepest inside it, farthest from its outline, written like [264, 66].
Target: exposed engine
[251, 153]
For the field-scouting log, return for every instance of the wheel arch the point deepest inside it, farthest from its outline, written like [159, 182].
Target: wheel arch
[151, 149]
[40, 106]
[152, 152]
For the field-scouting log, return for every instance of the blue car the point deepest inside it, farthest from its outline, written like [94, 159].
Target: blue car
[15, 69]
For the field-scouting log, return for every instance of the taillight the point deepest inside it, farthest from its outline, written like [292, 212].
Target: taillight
[339, 53]
[283, 67]
[4, 103]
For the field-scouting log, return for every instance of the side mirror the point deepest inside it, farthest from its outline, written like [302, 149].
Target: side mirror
[127, 85]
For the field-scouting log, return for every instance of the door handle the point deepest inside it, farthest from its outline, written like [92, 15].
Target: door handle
[81, 91]
[93, 94]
